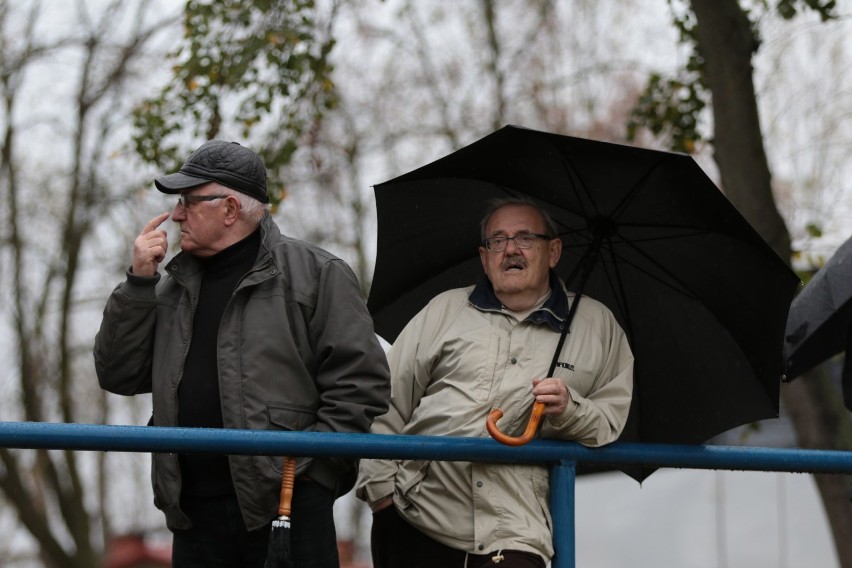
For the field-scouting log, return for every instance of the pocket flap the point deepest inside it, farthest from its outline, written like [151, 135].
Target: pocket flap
[290, 416]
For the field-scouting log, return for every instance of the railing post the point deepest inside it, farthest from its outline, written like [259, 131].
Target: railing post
[563, 474]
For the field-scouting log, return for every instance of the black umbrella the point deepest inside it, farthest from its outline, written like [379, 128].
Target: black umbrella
[819, 320]
[278, 554]
[701, 296]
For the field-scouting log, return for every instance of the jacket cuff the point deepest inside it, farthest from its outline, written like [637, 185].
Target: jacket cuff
[140, 287]
[568, 414]
[375, 491]
[335, 474]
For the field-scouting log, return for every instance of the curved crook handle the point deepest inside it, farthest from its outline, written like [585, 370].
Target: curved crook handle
[532, 426]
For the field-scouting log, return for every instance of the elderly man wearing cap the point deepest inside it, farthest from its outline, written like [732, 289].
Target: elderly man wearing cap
[248, 329]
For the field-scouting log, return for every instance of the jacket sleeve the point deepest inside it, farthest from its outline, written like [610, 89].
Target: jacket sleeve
[409, 380]
[125, 342]
[598, 417]
[352, 374]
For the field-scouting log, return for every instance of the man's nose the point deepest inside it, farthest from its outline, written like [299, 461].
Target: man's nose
[513, 244]
[178, 213]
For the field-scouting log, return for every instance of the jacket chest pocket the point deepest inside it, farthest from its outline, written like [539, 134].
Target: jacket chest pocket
[468, 363]
[290, 416]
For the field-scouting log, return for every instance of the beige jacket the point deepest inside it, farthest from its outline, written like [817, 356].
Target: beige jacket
[457, 359]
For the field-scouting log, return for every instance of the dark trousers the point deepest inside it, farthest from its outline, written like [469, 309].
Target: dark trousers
[396, 544]
[218, 536]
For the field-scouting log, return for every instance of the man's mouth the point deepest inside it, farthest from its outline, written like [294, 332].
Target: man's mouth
[513, 265]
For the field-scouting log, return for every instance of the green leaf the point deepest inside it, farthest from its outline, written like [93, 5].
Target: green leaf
[258, 68]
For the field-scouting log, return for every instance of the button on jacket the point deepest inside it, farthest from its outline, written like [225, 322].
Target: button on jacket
[458, 359]
[296, 351]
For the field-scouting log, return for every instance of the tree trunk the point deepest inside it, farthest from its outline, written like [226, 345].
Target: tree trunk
[727, 43]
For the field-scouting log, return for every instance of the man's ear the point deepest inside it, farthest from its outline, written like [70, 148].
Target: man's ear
[554, 251]
[232, 211]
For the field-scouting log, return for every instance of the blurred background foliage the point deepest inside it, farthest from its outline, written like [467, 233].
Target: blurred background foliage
[261, 67]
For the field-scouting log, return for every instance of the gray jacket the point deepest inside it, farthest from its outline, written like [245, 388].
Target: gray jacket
[296, 351]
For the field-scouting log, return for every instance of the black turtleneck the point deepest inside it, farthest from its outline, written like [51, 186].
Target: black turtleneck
[199, 405]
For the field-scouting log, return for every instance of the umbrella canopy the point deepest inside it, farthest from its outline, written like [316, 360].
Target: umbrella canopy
[278, 552]
[702, 297]
[820, 317]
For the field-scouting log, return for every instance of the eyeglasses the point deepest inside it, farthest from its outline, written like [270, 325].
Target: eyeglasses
[185, 201]
[524, 241]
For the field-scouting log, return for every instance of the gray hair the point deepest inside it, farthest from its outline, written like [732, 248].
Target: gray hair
[251, 209]
[500, 202]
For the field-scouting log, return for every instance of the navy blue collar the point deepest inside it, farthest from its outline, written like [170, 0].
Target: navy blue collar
[553, 312]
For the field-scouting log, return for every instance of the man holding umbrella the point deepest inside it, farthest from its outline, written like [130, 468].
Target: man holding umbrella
[248, 329]
[483, 347]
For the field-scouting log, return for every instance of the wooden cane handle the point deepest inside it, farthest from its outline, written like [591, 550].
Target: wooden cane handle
[532, 426]
[288, 476]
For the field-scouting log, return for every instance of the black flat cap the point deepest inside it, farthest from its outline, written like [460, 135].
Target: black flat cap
[224, 162]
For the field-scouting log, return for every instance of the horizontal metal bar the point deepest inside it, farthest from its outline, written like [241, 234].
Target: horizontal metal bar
[95, 437]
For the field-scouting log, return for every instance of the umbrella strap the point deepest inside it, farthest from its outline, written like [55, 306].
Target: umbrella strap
[565, 330]
[588, 264]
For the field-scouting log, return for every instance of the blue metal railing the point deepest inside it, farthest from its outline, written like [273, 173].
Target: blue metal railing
[561, 456]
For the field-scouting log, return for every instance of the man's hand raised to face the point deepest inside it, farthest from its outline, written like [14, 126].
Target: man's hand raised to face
[150, 247]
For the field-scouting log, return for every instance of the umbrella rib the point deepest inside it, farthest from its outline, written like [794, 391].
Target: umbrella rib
[674, 283]
[634, 191]
[615, 282]
[579, 186]
[673, 232]
[609, 244]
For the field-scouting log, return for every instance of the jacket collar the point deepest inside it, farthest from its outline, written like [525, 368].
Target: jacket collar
[553, 312]
[189, 266]
[269, 232]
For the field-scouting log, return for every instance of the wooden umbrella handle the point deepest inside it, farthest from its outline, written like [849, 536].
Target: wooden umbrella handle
[288, 476]
[532, 426]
